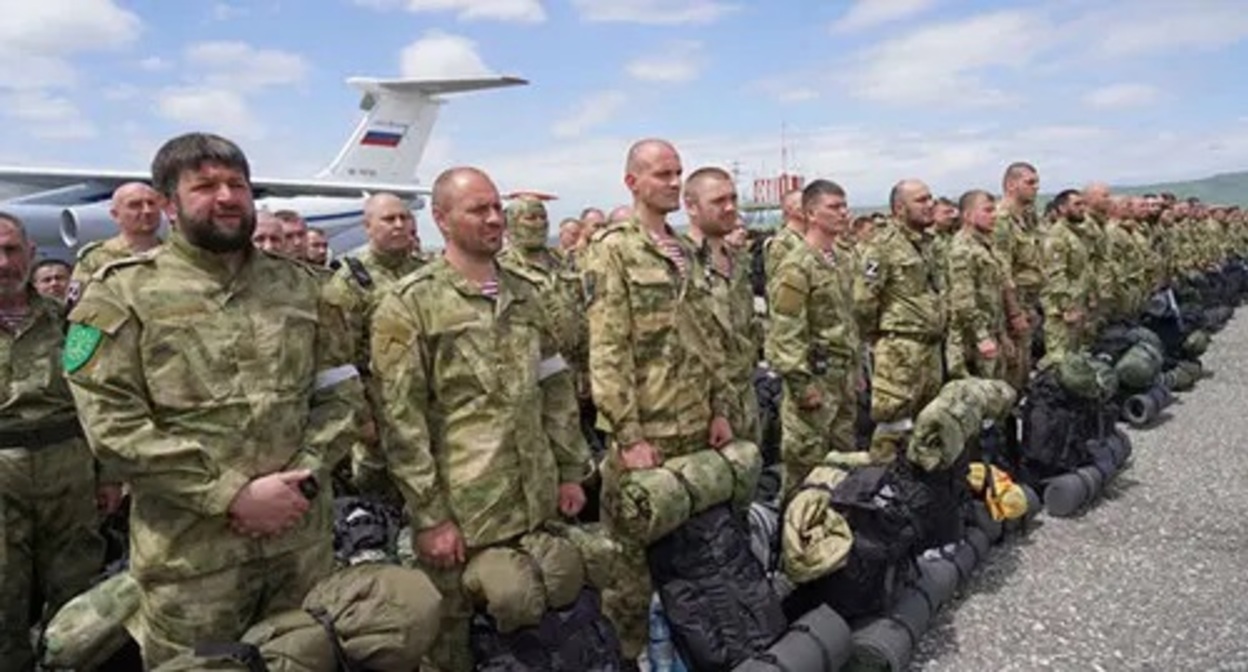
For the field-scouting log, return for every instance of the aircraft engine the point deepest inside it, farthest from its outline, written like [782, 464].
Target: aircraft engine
[83, 224]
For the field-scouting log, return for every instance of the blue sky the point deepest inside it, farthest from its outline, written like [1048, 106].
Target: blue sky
[867, 91]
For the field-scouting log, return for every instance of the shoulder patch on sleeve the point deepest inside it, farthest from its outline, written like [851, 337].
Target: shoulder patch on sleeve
[80, 345]
[88, 249]
[870, 269]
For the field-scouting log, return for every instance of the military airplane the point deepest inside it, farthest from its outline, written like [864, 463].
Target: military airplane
[66, 208]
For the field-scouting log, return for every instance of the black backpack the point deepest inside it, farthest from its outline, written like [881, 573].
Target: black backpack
[575, 638]
[882, 509]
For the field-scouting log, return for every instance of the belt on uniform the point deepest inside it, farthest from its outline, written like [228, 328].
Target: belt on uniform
[41, 436]
[915, 336]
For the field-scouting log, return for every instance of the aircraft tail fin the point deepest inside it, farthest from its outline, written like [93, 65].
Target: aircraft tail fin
[387, 145]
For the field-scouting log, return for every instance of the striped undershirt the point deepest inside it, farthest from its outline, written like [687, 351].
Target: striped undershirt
[673, 251]
[490, 288]
[830, 257]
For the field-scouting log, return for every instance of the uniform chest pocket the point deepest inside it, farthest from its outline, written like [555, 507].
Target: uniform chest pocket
[463, 364]
[287, 351]
[33, 370]
[653, 297]
[917, 275]
[190, 361]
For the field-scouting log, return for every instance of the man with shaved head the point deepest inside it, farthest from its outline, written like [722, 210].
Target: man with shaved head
[295, 230]
[136, 210]
[791, 233]
[1097, 202]
[1017, 236]
[897, 297]
[978, 342]
[268, 234]
[356, 286]
[647, 292]
[478, 414]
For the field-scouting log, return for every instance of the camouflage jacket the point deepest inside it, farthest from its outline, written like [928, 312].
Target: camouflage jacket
[358, 292]
[650, 370]
[1067, 268]
[92, 257]
[478, 416]
[561, 296]
[1127, 264]
[1102, 270]
[898, 290]
[976, 288]
[192, 381]
[812, 325]
[735, 330]
[1018, 240]
[33, 391]
[776, 248]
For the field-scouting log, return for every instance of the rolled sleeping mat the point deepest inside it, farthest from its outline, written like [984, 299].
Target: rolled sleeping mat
[1066, 494]
[1141, 410]
[888, 643]
[1119, 448]
[820, 640]
[980, 518]
[654, 502]
[969, 553]
[90, 628]
[1034, 506]
[938, 579]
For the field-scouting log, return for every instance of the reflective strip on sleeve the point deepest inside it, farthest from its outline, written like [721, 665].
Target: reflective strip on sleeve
[896, 427]
[331, 377]
[550, 366]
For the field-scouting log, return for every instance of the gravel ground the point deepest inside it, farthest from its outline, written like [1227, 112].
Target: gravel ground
[1153, 577]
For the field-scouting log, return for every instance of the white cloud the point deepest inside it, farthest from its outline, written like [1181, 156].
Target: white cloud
[870, 13]
[47, 116]
[521, 11]
[238, 65]
[224, 11]
[1133, 28]
[677, 62]
[593, 111]
[119, 92]
[944, 63]
[655, 12]
[439, 55]
[212, 109]
[38, 39]
[154, 64]
[1122, 95]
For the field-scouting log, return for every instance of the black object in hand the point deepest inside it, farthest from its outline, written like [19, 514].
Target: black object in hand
[309, 488]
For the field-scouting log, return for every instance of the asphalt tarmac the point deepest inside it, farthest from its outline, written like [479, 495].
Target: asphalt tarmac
[1152, 577]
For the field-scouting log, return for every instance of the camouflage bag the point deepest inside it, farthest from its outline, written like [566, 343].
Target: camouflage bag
[945, 426]
[654, 502]
[1087, 377]
[600, 552]
[92, 627]
[1139, 366]
[516, 585]
[815, 539]
[1196, 343]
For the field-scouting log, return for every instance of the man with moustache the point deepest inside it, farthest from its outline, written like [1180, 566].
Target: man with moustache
[1069, 290]
[214, 379]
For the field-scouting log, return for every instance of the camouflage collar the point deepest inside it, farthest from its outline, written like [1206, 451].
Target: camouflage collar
[390, 260]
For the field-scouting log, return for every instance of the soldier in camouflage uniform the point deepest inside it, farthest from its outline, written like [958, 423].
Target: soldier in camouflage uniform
[1127, 264]
[897, 298]
[978, 341]
[813, 340]
[711, 203]
[789, 236]
[136, 209]
[356, 287]
[1068, 283]
[49, 547]
[478, 413]
[1097, 201]
[216, 381]
[647, 295]
[944, 226]
[1018, 235]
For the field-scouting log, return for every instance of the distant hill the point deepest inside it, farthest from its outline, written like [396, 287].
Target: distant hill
[1222, 189]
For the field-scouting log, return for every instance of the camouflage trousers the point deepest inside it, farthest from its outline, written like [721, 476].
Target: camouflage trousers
[627, 603]
[808, 435]
[907, 374]
[219, 607]
[743, 415]
[963, 360]
[1062, 338]
[51, 548]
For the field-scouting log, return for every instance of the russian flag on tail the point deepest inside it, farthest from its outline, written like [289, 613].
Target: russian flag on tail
[375, 138]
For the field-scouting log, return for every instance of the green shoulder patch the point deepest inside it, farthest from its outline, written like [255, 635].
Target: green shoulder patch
[80, 345]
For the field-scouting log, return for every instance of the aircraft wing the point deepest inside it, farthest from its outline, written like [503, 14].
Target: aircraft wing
[54, 186]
